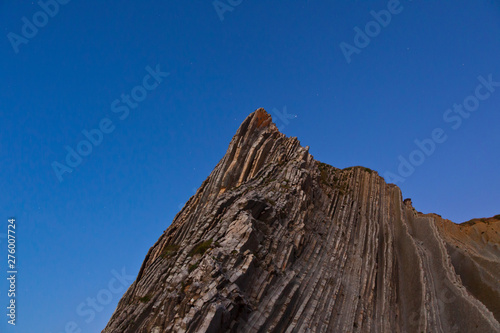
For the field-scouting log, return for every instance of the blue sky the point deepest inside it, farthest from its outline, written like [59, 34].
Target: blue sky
[77, 235]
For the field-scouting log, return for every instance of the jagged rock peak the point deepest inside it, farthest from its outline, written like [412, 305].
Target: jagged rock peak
[275, 241]
[257, 142]
[258, 120]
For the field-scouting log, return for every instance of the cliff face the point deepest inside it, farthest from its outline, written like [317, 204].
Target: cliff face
[275, 241]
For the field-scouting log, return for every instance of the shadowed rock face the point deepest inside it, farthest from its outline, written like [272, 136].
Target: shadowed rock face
[275, 241]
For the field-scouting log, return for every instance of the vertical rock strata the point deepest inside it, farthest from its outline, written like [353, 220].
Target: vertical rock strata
[275, 241]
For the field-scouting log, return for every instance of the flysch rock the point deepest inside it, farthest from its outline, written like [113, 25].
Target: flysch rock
[275, 241]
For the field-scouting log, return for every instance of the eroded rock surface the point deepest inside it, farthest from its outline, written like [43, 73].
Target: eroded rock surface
[275, 241]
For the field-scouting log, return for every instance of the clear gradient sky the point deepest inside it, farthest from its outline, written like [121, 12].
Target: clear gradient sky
[76, 235]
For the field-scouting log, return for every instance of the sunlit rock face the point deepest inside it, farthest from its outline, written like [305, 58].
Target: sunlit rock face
[275, 241]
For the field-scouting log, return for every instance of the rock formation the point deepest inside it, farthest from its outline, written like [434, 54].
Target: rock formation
[275, 241]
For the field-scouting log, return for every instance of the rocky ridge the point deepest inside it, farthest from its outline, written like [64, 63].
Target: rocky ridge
[275, 241]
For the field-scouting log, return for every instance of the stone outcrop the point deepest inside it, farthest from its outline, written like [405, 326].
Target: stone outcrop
[275, 241]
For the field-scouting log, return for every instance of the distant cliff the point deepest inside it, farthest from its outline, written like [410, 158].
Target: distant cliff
[275, 241]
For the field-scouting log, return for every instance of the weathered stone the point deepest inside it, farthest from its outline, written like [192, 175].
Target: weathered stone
[274, 241]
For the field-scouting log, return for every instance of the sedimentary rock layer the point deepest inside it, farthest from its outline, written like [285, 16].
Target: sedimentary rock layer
[275, 241]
